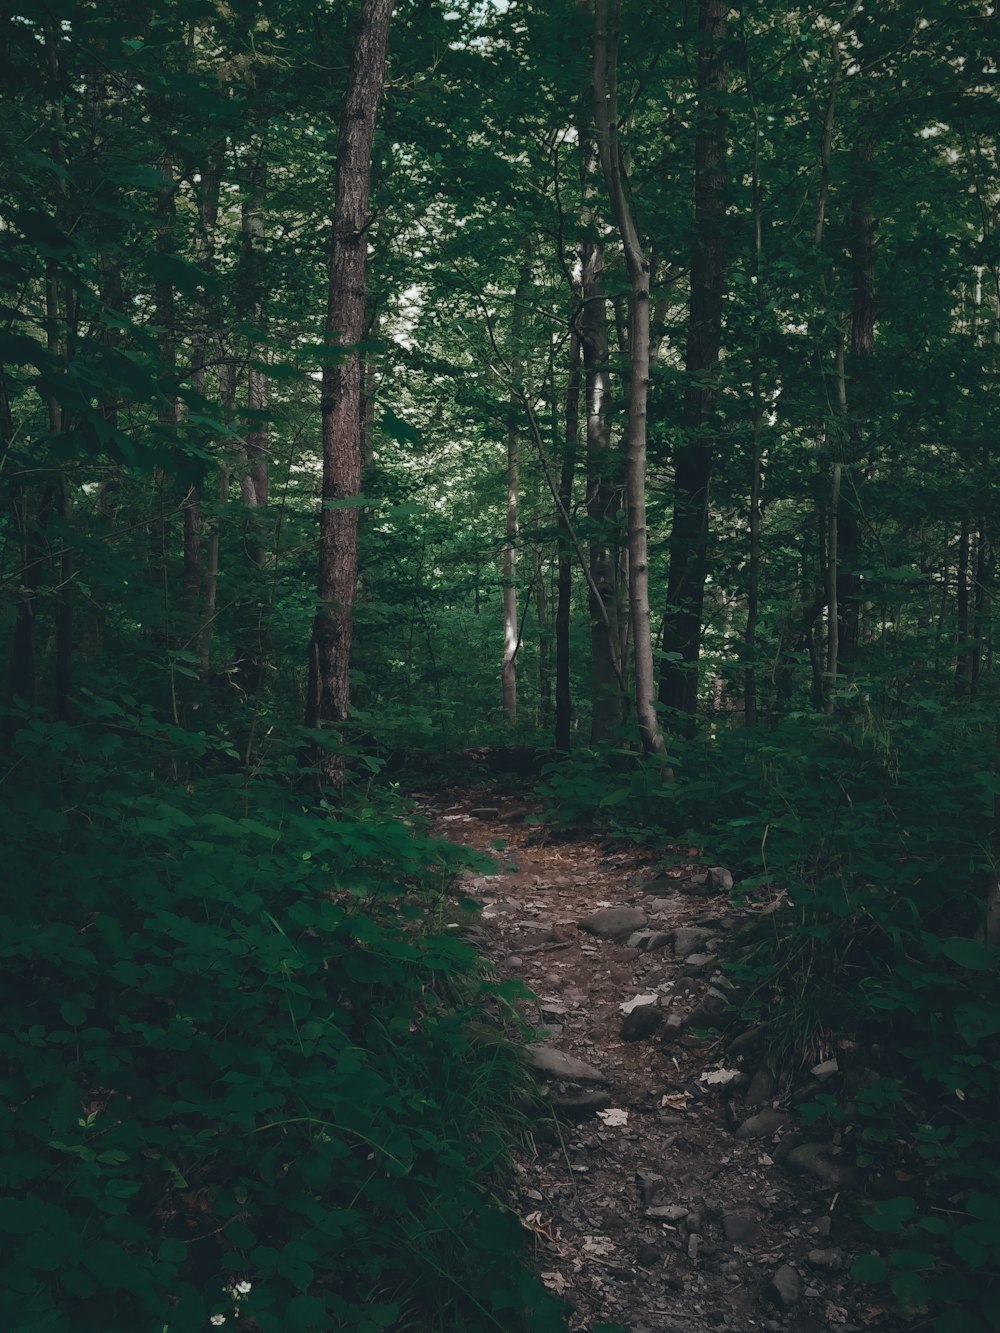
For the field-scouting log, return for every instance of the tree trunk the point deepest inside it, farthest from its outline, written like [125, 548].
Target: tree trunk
[330, 647]
[754, 515]
[508, 555]
[564, 597]
[606, 119]
[862, 348]
[693, 467]
[962, 624]
[508, 579]
[603, 503]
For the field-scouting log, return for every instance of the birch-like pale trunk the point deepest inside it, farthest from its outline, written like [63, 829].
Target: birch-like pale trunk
[605, 90]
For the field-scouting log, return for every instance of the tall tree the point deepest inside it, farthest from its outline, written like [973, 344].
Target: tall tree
[330, 647]
[693, 464]
[606, 113]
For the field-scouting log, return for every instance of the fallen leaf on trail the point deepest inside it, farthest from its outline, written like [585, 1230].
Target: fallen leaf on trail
[598, 1245]
[628, 1005]
[533, 1222]
[719, 1078]
[555, 1282]
[677, 1101]
[834, 1314]
[613, 1117]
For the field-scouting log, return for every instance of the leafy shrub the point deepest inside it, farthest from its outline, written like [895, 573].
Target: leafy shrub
[248, 1067]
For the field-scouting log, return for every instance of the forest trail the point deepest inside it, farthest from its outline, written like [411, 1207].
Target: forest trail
[661, 1206]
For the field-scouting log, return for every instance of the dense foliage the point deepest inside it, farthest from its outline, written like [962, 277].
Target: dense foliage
[241, 1044]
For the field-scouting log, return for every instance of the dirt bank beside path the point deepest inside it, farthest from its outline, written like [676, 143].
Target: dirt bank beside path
[661, 1207]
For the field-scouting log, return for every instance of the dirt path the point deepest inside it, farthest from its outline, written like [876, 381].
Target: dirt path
[660, 1205]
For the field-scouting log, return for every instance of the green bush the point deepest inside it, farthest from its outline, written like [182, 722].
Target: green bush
[248, 1067]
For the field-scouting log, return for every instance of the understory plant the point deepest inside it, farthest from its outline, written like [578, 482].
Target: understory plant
[251, 1069]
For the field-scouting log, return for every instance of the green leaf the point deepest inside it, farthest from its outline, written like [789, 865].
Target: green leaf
[972, 954]
[890, 1215]
[72, 1014]
[869, 1268]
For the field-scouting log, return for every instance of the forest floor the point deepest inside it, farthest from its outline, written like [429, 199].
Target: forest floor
[679, 1194]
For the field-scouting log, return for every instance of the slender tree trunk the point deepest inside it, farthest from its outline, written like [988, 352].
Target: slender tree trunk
[754, 516]
[564, 597]
[544, 643]
[60, 338]
[862, 348]
[330, 647]
[255, 481]
[693, 466]
[603, 503]
[508, 578]
[508, 555]
[962, 621]
[984, 580]
[637, 265]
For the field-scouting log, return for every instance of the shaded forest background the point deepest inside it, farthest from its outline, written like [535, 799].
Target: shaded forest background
[675, 421]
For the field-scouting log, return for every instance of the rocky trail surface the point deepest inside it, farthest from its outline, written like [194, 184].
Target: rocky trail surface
[672, 1191]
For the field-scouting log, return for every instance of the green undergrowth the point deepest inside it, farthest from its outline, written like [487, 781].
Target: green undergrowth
[864, 849]
[251, 1071]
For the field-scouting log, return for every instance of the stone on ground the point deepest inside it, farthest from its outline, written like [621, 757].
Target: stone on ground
[785, 1287]
[615, 923]
[551, 1063]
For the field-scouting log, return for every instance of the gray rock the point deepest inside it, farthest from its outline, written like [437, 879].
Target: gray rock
[484, 812]
[763, 1087]
[693, 1222]
[551, 1063]
[580, 1105]
[695, 886]
[823, 1227]
[785, 1288]
[720, 880]
[513, 961]
[646, 941]
[657, 905]
[709, 1011]
[831, 1261]
[672, 1027]
[691, 939]
[814, 1159]
[699, 962]
[694, 1245]
[641, 1022]
[649, 1184]
[789, 1140]
[671, 1212]
[826, 1070]
[615, 923]
[763, 1124]
[647, 1254]
[659, 885]
[746, 1041]
[739, 1229]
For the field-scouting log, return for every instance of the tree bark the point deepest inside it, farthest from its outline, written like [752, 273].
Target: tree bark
[508, 555]
[603, 502]
[693, 467]
[564, 697]
[606, 120]
[330, 646]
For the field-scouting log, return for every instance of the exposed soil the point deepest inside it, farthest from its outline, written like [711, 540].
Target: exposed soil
[647, 1210]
